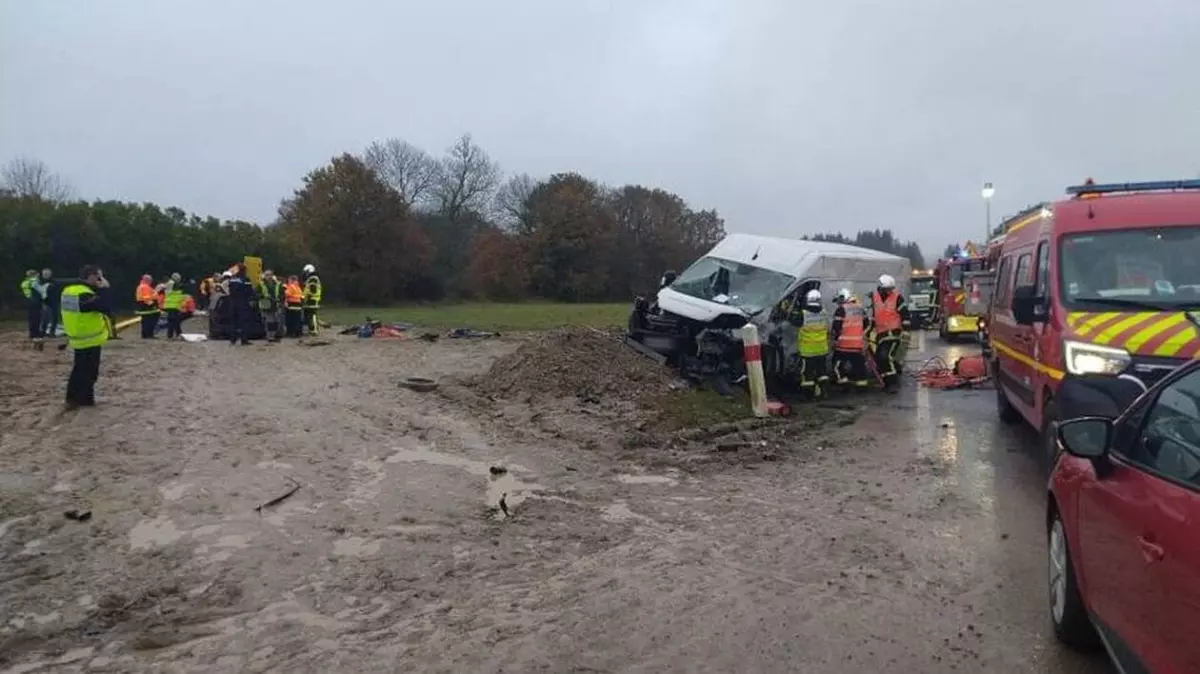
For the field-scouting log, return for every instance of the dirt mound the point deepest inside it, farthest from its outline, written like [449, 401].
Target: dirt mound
[589, 364]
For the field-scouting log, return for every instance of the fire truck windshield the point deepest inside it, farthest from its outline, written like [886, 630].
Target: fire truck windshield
[957, 269]
[1158, 266]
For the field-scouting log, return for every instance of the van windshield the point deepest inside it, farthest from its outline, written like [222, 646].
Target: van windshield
[741, 285]
[1160, 266]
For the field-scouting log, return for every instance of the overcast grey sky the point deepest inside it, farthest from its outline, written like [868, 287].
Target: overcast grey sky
[788, 116]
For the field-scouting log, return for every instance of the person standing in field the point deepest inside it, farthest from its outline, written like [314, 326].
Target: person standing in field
[85, 321]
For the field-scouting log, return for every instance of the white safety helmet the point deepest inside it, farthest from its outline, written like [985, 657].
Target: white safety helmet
[309, 269]
[886, 281]
[813, 296]
[844, 294]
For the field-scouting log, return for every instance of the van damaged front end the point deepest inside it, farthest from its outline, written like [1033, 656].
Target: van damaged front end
[701, 344]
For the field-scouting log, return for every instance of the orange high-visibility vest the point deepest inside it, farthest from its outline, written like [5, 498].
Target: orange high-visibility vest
[887, 314]
[145, 293]
[188, 305]
[293, 294]
[851, 338]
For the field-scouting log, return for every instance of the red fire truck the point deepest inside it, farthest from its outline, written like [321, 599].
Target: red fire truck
[952, 318]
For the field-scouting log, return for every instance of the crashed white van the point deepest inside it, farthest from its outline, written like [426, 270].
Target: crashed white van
[694, 320]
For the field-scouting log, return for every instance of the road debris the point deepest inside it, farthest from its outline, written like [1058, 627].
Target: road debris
[278, 499]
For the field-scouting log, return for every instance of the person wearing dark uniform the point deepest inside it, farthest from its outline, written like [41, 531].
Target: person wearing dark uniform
[31, 292]
[812, 344]
[889, 315]
[849, 330]
[51, 290]
[241, 310]
[85, 321]
[313, 290]
[270, 302]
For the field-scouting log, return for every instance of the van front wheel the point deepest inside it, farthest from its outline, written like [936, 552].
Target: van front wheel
[1050, 432]
[1004, 409]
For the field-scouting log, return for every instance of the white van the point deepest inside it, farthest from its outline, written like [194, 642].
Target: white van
[747, 278]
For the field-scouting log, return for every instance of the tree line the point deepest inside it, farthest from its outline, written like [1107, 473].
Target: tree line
[882, 240]
[392, 223]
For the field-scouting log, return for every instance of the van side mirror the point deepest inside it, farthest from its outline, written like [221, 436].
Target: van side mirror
[1024, 305]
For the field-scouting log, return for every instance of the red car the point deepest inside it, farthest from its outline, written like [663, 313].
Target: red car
[1124, 530]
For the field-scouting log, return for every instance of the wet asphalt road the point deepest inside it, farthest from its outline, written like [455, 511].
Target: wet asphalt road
[996, 467]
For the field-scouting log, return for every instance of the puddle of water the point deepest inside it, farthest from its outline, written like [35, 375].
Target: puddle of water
[355, 546]
[619, 512]
[412, 528]
[234, 541]
[174, 492]
[517, 491]
[646, 479]
[159, 531]
[497, 485]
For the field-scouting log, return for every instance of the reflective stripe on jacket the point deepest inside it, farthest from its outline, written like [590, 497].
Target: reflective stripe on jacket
[313, 292]
[813, 336]
[851, 338]
[887, 313]
[85, 329]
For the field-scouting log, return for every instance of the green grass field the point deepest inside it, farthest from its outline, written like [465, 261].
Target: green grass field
[522, 317]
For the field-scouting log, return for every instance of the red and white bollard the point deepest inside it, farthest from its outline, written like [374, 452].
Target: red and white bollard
[752, 354]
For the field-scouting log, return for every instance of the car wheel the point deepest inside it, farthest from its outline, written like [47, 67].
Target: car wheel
[1049, 439]
[1072, 626]
[1004, 409]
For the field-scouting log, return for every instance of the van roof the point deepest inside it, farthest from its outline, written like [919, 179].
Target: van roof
[787, 256]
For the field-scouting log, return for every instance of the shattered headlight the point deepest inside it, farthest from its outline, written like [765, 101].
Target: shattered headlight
[1084, 358]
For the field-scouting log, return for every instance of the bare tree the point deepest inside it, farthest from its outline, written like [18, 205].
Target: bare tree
[511, 202]
[467, 179]
[28, 177]
[407, 168]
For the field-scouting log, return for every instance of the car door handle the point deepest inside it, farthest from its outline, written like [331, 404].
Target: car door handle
[1151, 551]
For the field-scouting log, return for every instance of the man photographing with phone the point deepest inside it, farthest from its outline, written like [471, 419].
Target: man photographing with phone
[85, 319]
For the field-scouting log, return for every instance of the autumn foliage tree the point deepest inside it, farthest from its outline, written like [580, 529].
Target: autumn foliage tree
[357, 230]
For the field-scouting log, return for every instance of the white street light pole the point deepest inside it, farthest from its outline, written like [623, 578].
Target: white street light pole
[987, 193]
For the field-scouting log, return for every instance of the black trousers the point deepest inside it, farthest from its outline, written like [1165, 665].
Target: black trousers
[885, 358]
[173, 327]
[34, 317]
[81, 385]
[149, 322]
[294, 322]
[813, 374]
[242, 323]
[850, 367]
[310, 320]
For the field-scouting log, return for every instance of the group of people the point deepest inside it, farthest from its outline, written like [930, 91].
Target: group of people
[85, 308]
[279, 308]
[845, 336]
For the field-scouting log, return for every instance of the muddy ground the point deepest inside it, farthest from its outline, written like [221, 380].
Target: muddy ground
[904, 534]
